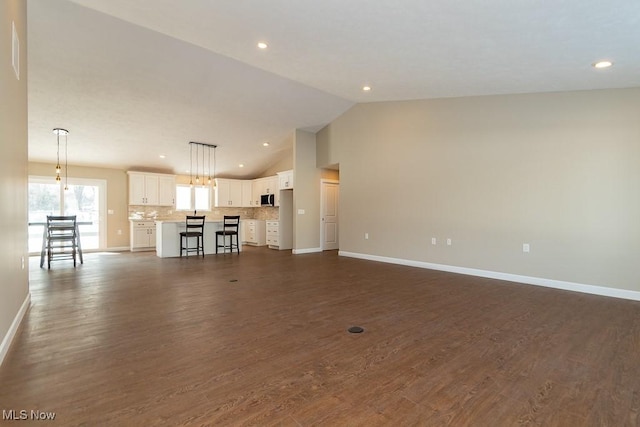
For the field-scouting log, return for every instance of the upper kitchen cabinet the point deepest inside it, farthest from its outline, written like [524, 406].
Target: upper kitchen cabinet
[247, 194]
[166, 190]
[285, 179]
[228, 193]
[267, 185]
[151, 189]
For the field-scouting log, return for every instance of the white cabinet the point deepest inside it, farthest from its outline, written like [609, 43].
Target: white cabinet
[256, 188]
[167, 190]
[267, 185]
[285, 180]
[143, 235]
[273, 234]
[247, 194]
[151, 189]
[228, 193]
[271, 185]
[253, 232]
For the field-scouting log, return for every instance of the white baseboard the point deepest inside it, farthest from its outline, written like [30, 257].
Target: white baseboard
[538, 281]
[306, 251]
[113, 249]
[11, 333]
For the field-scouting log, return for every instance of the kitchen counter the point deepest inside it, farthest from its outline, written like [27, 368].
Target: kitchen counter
[168, 237]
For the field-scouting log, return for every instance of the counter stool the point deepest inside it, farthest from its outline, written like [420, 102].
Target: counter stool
[195, 228]
[230, 225]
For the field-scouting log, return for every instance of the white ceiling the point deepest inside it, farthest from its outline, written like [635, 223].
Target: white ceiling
[132, 79]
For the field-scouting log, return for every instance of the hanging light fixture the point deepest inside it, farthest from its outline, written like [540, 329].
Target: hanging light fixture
[190, 164]
[214, 165]
[58, 132]
[203, 169]
[209, 156]
[211, 178]
[66, 165]
[197, 166]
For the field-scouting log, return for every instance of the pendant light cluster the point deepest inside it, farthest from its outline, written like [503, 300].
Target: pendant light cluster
[206, 155]
[62, 132]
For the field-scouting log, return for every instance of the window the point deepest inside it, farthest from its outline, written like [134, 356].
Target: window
[85, 198]
[194, 198]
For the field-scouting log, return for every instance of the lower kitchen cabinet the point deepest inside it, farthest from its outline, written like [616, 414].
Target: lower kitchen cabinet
[143, 235]
[253, 232]
[273, 234]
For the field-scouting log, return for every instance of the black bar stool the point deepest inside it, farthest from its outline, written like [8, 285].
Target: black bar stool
[195, 228]
[230, 225]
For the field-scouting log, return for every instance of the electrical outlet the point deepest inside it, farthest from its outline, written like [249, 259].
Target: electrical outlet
[366, 236]
[433, 240]
[526, 247]
[119, 232]
[448, 242]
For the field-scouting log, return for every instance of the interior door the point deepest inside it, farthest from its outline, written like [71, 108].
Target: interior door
[329, 217]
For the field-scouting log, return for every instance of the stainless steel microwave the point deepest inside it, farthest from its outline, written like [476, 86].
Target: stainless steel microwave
[267, 200]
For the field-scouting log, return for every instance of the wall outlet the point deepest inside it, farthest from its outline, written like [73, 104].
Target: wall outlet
[110, 212]
[300, 211]
[448, 242]
[119, 232]
[366, 236]
[526, 247]
[433, 240]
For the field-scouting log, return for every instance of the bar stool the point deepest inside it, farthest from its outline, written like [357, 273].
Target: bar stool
[230, 225]
[194, 228]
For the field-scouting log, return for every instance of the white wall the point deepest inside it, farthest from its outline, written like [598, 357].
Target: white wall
[559, 171]
[14, 280]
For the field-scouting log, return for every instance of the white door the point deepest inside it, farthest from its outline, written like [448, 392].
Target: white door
[329, 215]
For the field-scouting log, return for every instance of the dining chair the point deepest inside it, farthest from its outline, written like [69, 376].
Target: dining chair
[62, 238]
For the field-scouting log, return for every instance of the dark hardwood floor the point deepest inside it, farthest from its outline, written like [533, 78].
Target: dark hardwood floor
[261, 338]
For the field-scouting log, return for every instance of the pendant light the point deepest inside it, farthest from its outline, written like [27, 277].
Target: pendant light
[58, 132]
[205, 172]
[197, 166]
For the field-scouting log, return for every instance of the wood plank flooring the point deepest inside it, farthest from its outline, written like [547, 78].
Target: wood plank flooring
[261, 338]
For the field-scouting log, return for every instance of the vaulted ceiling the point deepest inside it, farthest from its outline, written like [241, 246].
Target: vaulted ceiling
[136, 79]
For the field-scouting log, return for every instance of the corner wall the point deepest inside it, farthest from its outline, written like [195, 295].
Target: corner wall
[306, 194]
[558, 171]
[14, 282]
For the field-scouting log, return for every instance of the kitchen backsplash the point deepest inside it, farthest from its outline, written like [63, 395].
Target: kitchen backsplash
[166, 213]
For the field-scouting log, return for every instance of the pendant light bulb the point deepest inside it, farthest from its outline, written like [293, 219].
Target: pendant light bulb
[58, 169]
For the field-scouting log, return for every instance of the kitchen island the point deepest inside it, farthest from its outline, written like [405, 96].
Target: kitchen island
[168, 237]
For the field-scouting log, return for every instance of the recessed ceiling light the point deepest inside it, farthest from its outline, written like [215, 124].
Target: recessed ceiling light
[602, 64]
[162, 156]
[265, 144]
[262, 45]
[240, 165]
[366, 88]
